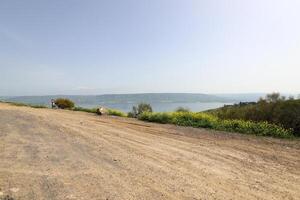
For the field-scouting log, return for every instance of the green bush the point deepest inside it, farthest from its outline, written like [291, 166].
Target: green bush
[64, 103]
[182, 109]
[256, 128]
[143, 107]
[288, 115]
[163, 118]
[116, 113]
[89, 110]
[133, 113]
[37, 106]
[205, 120]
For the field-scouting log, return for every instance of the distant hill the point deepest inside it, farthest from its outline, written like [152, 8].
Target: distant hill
[243, 97]
[251, 97]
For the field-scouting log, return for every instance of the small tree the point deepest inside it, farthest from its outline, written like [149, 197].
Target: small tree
[133, 113]
[64, 103]
[291, 97]
[144, 107]
[141, 108]
[274, 97]
[182, 109]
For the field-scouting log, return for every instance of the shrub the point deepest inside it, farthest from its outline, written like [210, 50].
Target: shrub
[64, 103]
[287, 114]
[182, 109]
[116, 113]
[89, 110]
[205, 120]
[38, 106]
[274, 109]
[156, 117]
[131, 115]
[256, 128]
[194, 119]
[141, 108]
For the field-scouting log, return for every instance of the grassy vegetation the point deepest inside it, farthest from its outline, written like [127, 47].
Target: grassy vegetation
[116, 113]
[89, 110]
[205, 120]
[94, 110]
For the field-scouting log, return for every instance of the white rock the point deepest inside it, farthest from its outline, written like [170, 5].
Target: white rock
[14, 189]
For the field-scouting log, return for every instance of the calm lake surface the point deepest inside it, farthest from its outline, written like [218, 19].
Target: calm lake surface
[161, 106]
[160, 102]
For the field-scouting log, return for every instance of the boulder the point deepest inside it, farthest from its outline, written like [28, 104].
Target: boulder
[102, 111]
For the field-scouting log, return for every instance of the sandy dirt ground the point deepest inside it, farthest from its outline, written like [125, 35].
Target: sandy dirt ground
[54, 154]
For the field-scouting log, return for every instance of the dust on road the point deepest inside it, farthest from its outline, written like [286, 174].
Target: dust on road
[55, 154]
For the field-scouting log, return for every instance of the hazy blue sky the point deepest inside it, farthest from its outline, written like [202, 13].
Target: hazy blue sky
[129, 46]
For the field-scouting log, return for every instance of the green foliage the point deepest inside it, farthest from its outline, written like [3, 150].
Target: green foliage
[205, 120]
[131, 115]
[182, 109]
[274, 97]
[141, 108]
[163, 118]
[256, 128]
[116, 113]
[38, 106]
[64, 103]
[89, 110]
[274, 109]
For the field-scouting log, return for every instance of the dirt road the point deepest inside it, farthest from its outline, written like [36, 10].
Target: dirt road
[56, 154]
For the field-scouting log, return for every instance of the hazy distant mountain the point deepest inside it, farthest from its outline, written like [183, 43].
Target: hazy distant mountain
[251, 97]
[244, 97]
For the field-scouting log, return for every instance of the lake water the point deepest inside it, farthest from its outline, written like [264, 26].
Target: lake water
[161, 106]
[160, 102]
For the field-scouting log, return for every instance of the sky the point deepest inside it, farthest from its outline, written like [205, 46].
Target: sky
[140, 46]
